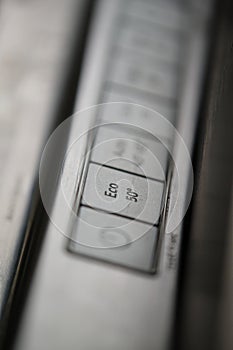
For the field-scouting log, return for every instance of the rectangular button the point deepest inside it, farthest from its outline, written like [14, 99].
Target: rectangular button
[123, 194]
[146, 38]
[112, 94]
[169, 15]
[139, 116]
[146, 75]
[131, 150]
[108, 237]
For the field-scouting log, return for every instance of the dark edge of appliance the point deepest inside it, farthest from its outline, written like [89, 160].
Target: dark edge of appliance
[188, 333]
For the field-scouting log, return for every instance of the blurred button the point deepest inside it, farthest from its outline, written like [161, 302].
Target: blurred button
[112, 94]
[149, 76]
[134, 243]
[146, 38]
[170, 15]
[124, 194]
[140, 117]
[131, 150]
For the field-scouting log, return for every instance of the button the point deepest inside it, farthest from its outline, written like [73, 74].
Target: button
[169, 15]
[148, 39]
[131, 150]
[113, 95]
[125, 242]
[139, 72]
[123, 194]
[138, 116]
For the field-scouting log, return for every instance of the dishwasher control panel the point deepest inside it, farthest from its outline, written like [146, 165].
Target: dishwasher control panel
[139, 91]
